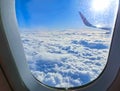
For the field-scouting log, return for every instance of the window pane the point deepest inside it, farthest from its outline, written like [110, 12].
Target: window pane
[66, 42]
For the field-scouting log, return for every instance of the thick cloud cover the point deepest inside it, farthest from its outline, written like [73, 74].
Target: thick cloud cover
[66, 58]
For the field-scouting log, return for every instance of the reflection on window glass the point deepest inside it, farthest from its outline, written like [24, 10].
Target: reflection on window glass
[66, 42]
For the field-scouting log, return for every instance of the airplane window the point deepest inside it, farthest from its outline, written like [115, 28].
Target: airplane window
[66, 42]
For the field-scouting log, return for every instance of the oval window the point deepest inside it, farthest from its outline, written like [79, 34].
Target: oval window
[66, 42]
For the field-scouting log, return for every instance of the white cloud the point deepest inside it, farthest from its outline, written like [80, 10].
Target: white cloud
[66, 58]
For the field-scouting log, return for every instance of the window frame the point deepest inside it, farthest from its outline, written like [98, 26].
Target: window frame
[14, 64]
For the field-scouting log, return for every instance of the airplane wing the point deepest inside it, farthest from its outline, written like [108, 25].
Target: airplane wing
[87, 23]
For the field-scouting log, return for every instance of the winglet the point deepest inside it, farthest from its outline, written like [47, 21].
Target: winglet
[85, 21]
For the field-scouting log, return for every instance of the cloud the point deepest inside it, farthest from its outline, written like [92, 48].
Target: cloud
[66, 58]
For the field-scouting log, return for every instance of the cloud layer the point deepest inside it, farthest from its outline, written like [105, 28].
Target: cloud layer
[66, 58]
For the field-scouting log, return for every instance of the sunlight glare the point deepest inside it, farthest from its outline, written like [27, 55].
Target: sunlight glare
[100, 5]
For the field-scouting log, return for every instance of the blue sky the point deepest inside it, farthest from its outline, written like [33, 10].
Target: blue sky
[60, 14]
